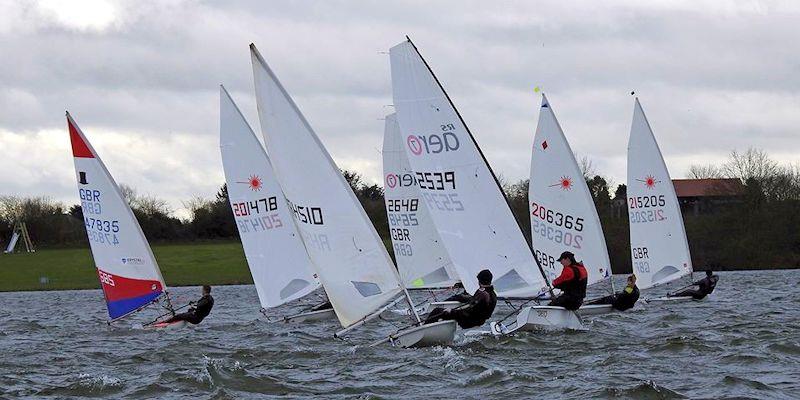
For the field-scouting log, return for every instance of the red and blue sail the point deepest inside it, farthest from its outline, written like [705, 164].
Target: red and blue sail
[126, 268]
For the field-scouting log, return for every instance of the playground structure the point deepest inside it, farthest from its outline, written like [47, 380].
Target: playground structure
[20, 231]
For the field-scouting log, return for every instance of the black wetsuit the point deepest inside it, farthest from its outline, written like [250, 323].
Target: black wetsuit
[705, 287]
[196, 314]
[475, 311]
[621, 301]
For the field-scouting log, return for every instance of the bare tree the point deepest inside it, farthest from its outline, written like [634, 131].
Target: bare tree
[587, 167]
[196, 203]
[708, 171]
[752, 164]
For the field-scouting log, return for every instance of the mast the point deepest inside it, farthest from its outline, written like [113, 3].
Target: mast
[483, 157]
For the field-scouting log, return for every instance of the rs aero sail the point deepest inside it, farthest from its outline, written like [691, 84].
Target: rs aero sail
[128, 271]
[465, 200]
[278, 261]
[345, 250]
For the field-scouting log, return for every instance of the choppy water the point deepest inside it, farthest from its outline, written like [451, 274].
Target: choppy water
[743, 343]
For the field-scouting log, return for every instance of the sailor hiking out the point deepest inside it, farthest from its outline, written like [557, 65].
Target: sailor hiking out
[705, 287]
[572, 282]
[199, 312]
[623, 300]
[475, 309]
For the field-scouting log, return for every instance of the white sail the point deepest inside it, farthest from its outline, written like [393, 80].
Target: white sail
[562, 212]
[351, 261]
[659, 249]
[421, 257]
[278, 261]
[126, 267]
[462, 194]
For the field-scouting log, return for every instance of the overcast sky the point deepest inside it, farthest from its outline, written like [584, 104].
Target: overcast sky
[142, 80]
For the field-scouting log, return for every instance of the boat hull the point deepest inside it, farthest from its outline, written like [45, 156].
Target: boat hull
[595, 309]
[311, 316]
[538, 318]
[435, 334]
[673, 299]
[427, 308]
[159, 326]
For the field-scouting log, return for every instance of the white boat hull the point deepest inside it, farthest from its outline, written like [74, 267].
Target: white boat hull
[435, 334]
[537, 318]
[595, 309]
[162, 326]
[672, 298]
[311, 316]
[427, 308]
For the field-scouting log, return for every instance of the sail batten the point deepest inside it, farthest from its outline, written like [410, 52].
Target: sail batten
[659, 247]
[465, 200]
[351, 261]
[126, 267]
[562, 212]
[277, 258]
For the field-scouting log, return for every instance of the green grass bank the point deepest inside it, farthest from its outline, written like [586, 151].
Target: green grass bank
[215, 263]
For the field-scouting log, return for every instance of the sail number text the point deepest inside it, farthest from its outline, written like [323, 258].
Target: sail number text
[246, 208]
[555, 217]
[646, 201]
[640, 259]
[556, 235]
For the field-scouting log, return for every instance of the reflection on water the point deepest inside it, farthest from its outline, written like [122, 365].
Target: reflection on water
[744, 342]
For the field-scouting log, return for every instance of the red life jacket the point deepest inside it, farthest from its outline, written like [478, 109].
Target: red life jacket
[576, 284]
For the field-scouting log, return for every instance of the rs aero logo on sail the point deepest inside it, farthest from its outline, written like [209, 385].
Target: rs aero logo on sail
[434, 143]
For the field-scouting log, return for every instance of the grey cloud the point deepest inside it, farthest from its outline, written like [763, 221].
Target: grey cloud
[712, 78]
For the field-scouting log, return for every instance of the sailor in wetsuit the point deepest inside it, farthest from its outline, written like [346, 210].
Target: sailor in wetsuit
[572, 282]
[623, 300]
[704, 287]
[201, 309]
[476, 308]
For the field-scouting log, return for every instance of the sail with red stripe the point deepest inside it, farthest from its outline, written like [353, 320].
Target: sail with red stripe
[127, 270]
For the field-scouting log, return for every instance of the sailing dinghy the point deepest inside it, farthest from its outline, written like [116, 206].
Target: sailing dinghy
[659, 248]
[348, 256]
[463, 195]
[422, 259]
[277, 258]
[562, 213]
[128, 271]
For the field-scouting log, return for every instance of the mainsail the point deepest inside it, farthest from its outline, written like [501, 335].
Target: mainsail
[128, 272]
[463, 196]
[563, 214]
[659, 249]
[350, 259]
[421, 257]
[278, 261]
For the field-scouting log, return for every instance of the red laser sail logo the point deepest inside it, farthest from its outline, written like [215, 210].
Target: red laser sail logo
[254, 182]
[565, 183]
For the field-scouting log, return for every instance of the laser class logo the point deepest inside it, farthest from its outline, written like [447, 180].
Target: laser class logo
[649, 181]
[254, 182]
[433, 143]
[565, 183]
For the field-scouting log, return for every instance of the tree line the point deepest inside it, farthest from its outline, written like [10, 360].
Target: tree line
[758, 230]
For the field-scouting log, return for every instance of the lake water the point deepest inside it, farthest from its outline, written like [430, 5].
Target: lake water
[742, 343]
